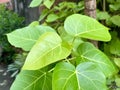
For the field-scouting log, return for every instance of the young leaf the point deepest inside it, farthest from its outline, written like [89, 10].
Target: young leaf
[35, 3]
[26, 37]
[48, 3]
[86, 76]
[48, 49]
[86, 27]
[88, 52]
[33, 80]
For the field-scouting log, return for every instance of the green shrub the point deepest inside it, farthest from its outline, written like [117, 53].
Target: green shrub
[9, 21]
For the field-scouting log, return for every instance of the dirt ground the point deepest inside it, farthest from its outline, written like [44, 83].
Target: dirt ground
[5, 79]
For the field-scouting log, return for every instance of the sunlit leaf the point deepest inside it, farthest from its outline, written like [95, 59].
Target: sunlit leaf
[86, 27]
[35, 3]
[86, 76]
[48, 49]
[26, 37]
[32, 80]
[89, 53]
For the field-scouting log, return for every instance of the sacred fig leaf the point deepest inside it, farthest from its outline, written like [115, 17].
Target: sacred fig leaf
[32, 80]
[26, 37]
[35, 3]
[89, 53]
[86, 27]
[86, 76]
[48, 49]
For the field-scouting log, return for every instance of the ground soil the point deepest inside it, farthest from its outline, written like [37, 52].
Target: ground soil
[5, 79]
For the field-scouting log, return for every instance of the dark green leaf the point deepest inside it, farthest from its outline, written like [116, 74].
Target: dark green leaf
[115, 20]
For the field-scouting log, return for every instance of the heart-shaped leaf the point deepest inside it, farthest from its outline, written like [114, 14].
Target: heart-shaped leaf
[116, 20]
[26, 37]
[33, 80]
[86, 27]
[48, 49]
[86, 76]
[88, 52]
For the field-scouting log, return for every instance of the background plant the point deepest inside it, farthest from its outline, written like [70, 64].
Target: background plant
[9, 21]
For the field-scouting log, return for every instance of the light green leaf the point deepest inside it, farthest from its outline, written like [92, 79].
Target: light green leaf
[115, 20]
[86, 27]
[86, 76]
[26, 37]
[48, 3]
[32, 80]
[35, 3]
[51, 18]
[88, 52]
[48, 49]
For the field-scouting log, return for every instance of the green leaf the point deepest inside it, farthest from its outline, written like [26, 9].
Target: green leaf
[103, 15]
[48, 49]
[86, 27]
[48, 3]
[35, 3]
[51, 18]
[32, 80]
[115, 46]
[88, 52]
[86, 76]
[117, 61]
[26, 37]
[115, 20]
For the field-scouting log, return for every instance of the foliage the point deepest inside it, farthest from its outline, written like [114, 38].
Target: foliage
[9, 22]
[61, 59]
[90, 65]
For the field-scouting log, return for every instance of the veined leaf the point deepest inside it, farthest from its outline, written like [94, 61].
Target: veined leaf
[26, 37]
[86, 76]
[86, 27]
[35, 3]
[48, 49]
[32, 80]
[88, 52]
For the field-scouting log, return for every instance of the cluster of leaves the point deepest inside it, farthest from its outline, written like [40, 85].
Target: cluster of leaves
[9, 21]
[63, 60]
[73, 63]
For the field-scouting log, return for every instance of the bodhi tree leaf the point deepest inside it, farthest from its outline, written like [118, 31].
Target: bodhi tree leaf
[35, 3]
[86, 76]
[48, 49]
[32, 80]
[88, 52]
[86, 27]
[26, 37]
